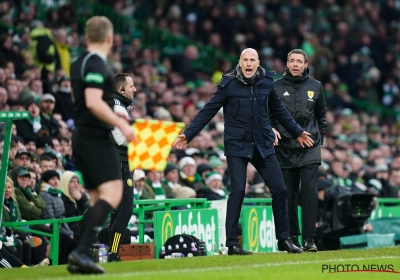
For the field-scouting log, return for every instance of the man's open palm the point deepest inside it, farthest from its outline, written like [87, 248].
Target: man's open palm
[180, 142]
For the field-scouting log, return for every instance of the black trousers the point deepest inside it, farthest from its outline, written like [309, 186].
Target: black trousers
[304, 179]
[39, 253]
[271, 173]
[9, 258]
[121, 215]
[24, 251]
[65, 246]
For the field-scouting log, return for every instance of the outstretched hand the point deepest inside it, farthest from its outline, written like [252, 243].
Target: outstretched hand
[180, 142]
[277, 136]
[305, 140]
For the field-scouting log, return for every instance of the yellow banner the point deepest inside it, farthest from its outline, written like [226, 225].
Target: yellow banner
[155, 139]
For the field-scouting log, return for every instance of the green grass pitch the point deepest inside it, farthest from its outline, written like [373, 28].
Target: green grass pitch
[258, 266]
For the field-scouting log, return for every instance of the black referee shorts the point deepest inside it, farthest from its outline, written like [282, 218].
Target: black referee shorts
[95, 156]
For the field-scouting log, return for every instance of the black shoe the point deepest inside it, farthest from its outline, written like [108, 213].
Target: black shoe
[83, 264]
[74, 269]
[238, 250]
[295, 241]
[114, 258]
[309, 245]
[288, 246]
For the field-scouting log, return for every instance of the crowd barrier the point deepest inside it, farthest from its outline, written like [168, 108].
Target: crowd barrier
[256, 219]
[141, 207]
[54, 235]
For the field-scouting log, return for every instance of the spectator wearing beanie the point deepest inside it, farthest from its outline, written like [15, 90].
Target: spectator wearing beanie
[203, 169]
[52, 195]
[30, 143]
[42, 143]
[55, 210]
[213, 189]
[171, 175]
[218, 165]
[187, 175]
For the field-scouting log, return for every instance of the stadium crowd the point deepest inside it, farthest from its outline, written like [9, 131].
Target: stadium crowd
[354, 50]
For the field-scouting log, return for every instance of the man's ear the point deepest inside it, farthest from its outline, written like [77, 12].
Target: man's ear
[110, 39]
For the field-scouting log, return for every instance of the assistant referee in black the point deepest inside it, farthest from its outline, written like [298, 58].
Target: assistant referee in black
[93, 147]
[124, 91]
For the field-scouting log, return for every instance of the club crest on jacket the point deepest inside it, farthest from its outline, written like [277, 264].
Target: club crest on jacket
[310, 95]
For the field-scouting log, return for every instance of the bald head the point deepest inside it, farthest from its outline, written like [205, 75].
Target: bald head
[249, 51]
[249, 62]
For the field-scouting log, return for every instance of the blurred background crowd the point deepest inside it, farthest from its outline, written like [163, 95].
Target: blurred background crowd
[353, 47]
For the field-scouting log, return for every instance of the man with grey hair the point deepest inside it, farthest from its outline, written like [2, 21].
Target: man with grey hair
[304, 98]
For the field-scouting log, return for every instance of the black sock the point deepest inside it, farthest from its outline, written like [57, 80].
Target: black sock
[93, 218]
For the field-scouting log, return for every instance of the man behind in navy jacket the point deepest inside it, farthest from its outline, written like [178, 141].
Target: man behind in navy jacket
[248, 96]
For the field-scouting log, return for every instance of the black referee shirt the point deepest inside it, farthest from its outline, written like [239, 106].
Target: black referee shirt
[90, 71]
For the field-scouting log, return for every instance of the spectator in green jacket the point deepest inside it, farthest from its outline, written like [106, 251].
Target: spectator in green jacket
[30, 249]
[31, 206]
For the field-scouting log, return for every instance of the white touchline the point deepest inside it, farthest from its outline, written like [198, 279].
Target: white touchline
[174, 271]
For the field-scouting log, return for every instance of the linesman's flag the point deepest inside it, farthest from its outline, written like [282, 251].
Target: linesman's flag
[155, 139]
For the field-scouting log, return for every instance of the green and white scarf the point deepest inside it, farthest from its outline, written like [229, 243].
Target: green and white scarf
[158, 190]
[47, 188]
[11, 207]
